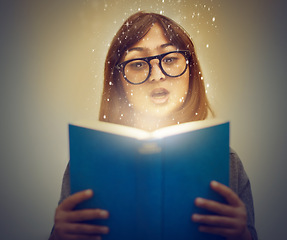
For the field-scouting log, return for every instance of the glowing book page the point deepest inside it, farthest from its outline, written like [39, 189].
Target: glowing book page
[142, 134]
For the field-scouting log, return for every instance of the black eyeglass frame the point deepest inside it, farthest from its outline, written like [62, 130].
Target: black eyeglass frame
[121, 66]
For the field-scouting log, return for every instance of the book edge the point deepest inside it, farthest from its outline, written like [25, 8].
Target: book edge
[140, 134]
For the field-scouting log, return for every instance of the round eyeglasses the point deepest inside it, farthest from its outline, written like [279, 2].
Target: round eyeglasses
[138, 70]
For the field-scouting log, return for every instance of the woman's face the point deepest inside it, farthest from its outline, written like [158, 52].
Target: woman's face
[160, 95]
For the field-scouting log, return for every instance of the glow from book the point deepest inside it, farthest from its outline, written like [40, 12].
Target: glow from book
[141, 134]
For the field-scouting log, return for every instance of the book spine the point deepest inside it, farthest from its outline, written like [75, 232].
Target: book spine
[149, 194]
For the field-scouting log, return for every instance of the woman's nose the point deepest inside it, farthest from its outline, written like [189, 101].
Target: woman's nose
[156, 72]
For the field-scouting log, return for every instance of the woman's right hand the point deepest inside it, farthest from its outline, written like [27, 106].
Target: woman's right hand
[69, 222]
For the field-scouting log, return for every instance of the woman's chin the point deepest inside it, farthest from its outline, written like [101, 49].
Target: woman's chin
[154, 120]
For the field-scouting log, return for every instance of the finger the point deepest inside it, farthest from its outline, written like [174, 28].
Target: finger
[215, 207]
[82, 237]
[85, 229]
[214, 220]
[230, 196]
[72, 201]
[225, 232]
[86, 214]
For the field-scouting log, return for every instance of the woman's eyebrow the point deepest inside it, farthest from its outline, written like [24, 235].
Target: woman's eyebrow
[166, 45]
[141, 49]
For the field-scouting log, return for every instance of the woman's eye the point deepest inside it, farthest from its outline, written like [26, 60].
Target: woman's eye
[137, 65]
[169, 60]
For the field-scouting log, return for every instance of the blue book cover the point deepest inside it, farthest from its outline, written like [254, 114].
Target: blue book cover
[149, 181]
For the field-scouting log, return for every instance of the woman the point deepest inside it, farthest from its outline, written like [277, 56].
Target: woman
[153, 79]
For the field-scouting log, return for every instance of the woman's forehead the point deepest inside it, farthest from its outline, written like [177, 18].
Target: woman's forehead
[154, 39]
[160, 47]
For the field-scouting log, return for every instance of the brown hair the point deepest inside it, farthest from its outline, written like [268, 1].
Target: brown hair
[114, 101]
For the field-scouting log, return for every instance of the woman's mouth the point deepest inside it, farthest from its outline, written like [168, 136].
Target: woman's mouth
[159, 95]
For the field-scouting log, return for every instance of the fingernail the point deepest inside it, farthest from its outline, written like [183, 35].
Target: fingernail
[214, 183]
[199, 201]
[201, 229]
[195, 217]
[104, 213]
[89, 192]
[105, 229]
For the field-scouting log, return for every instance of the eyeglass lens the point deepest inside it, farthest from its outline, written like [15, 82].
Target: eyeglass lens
[173, 65]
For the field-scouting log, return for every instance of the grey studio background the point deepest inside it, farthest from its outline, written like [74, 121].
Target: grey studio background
[52, 57]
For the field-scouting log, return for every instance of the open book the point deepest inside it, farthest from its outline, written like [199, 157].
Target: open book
[148, 181]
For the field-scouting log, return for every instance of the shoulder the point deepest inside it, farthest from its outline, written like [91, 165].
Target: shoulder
[66, 188]
[238, 178]
[235, 162]
[240, 184]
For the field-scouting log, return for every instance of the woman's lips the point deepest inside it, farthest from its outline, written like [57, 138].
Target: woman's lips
[159, 95]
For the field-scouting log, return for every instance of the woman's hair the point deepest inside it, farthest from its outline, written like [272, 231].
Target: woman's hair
[115, 107]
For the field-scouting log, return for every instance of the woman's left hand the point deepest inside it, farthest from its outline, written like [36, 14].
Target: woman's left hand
[231, 218]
